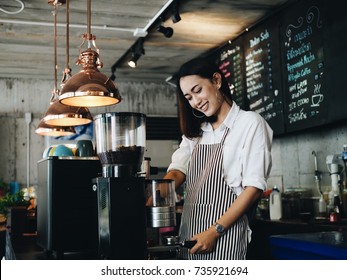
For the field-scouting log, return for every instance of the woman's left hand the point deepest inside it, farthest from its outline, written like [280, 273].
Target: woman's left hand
[206, 241]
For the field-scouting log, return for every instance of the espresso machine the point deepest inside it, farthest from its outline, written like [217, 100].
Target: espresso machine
[120, 146]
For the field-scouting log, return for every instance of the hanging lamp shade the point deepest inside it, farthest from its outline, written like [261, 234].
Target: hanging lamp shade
[63, 115]
[89, 87]
[57, 113]
[44, 129]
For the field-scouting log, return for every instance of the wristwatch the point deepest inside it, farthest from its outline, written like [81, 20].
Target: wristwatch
[219, 229]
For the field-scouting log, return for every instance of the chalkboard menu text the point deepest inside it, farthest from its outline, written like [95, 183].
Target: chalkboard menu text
[290, 67]
[230, 62]
[262, 74]
[303, 69]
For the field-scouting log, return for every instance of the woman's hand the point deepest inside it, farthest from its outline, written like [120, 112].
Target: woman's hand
[206, 241]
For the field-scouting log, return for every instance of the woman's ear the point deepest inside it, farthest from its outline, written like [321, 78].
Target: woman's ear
[217, 79]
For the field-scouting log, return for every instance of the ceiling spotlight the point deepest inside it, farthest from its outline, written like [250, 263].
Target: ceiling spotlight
[137, 51]
[167, 31]
[175, 14]
[176, 17]
[133, 61]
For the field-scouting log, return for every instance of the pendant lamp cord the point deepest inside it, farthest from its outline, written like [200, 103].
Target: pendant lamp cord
[55, 91]
[55, 48]
[67, 70]
[89, 18]
[67, 34]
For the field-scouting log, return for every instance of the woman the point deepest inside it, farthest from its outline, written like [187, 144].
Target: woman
[224, 159]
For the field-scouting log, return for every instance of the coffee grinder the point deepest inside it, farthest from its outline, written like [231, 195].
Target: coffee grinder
[120, 146]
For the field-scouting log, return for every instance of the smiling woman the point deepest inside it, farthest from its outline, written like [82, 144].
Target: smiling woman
[224, 159]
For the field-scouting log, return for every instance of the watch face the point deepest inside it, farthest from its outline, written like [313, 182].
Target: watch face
[219, 228]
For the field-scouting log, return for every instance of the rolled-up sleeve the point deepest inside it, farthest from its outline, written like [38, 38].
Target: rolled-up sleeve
[181, 157]
[249, 160]
[256, 156]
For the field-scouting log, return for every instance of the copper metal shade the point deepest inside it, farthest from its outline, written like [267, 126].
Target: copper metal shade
[57, 113]
[44, 129]
[89, 87]
[62, 115]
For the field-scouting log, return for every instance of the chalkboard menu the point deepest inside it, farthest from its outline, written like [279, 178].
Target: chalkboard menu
[303, 66]
[291, 67]
[230, 61]
[263, 73]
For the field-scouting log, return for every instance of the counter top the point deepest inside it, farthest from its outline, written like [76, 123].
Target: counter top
[312, 246]
[322, 224]
[263, 229]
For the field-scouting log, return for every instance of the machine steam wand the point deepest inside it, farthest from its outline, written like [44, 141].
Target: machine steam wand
[318, 177]
[317, 174]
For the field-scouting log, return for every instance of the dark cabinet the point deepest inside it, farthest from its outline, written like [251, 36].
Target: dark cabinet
[67, 206]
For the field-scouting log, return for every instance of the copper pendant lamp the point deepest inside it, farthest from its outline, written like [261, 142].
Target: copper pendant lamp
[57, 113]
[63, 115]
[89, 87]
[44, 129]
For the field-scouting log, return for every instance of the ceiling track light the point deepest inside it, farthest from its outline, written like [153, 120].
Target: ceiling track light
[176, 16]
[160, 16]
[133, 60]
[167, 31]
[137, 51]
[175, 13]
[89, 87]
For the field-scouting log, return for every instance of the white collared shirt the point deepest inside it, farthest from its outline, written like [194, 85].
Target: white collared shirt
[247, 149]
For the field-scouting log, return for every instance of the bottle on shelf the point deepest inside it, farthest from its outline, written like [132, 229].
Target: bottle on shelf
[275, 204]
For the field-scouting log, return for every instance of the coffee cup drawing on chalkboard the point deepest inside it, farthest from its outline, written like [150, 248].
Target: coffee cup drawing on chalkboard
[316, 100]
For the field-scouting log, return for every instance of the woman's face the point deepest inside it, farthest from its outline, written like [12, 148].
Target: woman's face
[202, 94]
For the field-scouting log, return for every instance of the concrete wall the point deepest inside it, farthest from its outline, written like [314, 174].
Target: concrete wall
[293, 162]
[18, 97]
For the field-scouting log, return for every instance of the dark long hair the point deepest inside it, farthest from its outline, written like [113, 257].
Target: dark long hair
[205, 68]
